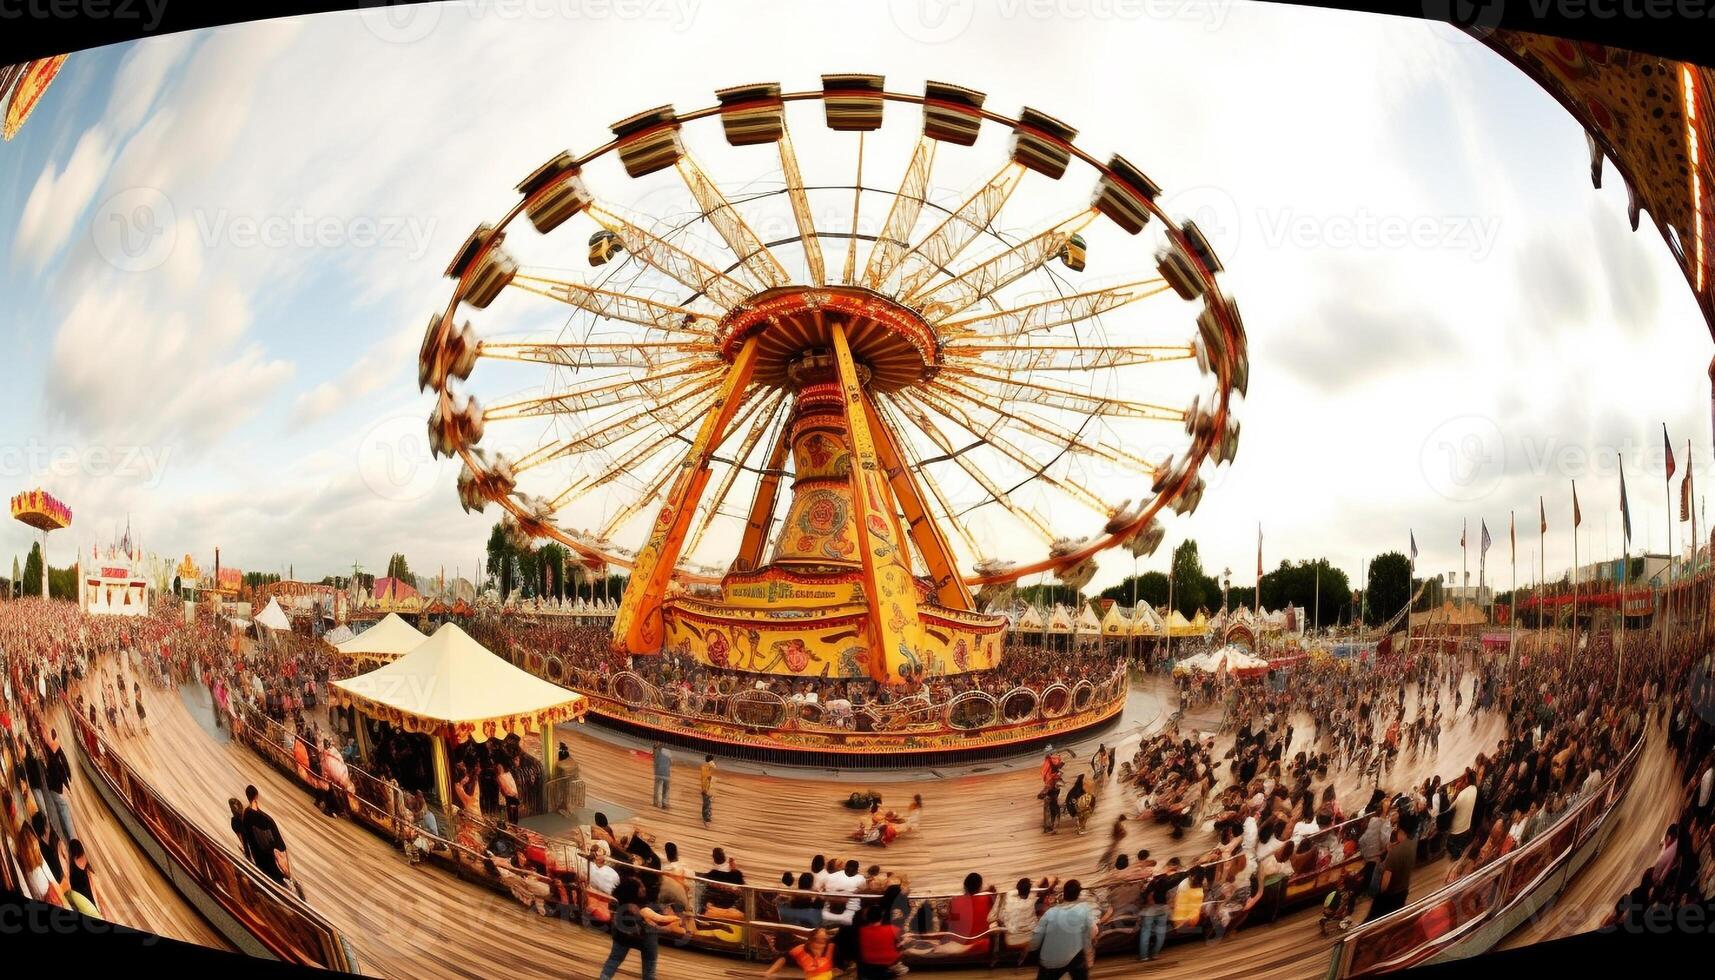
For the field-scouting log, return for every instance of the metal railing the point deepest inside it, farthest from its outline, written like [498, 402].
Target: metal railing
[1456, 912]
[287, 927]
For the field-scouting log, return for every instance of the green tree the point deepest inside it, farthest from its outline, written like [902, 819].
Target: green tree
[32, 577]
[397, 568]
[1317, 587]
[1388, 588]
[1150, 587]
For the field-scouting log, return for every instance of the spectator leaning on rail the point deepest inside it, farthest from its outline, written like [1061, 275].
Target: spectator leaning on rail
[1065, 937]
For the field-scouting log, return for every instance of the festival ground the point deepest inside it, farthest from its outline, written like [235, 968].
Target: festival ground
[406, 921]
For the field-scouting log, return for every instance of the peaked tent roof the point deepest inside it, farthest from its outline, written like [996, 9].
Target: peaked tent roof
[1087, 621]
[273, 617]
[452, 686]
[389, 639]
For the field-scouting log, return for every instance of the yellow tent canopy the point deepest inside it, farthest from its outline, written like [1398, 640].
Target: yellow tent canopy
[1087, 622]
[453, 687]
[1114, 622]
[1031, 620]
[1060, 620]
[387, 640]
[1145, 621]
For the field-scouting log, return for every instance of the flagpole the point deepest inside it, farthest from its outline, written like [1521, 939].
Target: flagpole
[1464, 564]
[1575, 522]
[1542, 569]
[1667, 488]
[1512, 616]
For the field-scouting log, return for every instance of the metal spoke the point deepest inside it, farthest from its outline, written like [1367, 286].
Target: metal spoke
[982, 280]
[754, 257]
[1048, 430]
[893, 242]
[1066, 399]
[924, 424]
[624, 307]
[807, 236]
[671, 261]
[938, 249]
[992, 434]
[1054, 312]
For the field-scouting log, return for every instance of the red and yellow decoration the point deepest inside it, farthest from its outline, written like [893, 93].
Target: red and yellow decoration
[40, 510]
[33, 79]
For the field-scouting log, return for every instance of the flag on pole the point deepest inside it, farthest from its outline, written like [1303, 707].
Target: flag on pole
[1685, 494]
[1667, 447]
[1512, 533]
[1577, 515]
[1466, 526]
[1484, 550]
[1259, 554]
[1542, 509]
[1414, 546]
[1625, 506]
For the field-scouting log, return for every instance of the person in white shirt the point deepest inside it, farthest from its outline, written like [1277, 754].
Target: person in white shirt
[841, 890]
[1249, 834]
[603, 878]
[1706, 789]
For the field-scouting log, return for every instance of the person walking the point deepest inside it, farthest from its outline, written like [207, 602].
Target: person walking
[707, 777]
[663, 771]
[57, 783]
[636, 926]
[262, 835]
[1064, 939]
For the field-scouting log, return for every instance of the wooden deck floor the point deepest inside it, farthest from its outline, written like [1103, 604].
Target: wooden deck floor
[420, 922]
[989, 823]
[132, 890]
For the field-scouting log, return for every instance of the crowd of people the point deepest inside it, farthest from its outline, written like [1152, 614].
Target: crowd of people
[690, 686]
[1260, 811]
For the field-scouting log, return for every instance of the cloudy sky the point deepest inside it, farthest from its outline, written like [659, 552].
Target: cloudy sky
[217, 251]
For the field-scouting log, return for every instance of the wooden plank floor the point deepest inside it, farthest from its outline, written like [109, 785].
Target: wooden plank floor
[422, 922]
[989, 823]
[132, 890]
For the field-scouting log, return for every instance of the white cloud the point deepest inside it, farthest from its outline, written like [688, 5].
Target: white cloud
[60, 197]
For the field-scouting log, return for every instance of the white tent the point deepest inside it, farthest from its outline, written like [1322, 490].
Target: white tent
[337, 635]
[1030, 620]
[1088, 624]
[387, 640]
[453, 686]
[1145, 621]
[273, 617]
[1225, 660]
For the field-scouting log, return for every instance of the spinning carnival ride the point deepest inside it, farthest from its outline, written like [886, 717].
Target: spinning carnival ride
[949, 405]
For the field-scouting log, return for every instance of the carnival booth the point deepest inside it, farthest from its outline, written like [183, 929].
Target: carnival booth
[1116, 625]
[271, 622]
[451, 690]
[1233, 661]
[1029, 621]
[1087, 627]
[386, 641]
[1146, 622]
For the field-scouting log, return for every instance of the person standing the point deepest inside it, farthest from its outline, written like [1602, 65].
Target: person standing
[663, 771]
[707, 778]
[1064, 939]
[1395, 880]
[57, 783]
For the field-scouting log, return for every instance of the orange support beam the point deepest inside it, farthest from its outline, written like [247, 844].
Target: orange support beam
[895, 632]
[637, 626]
